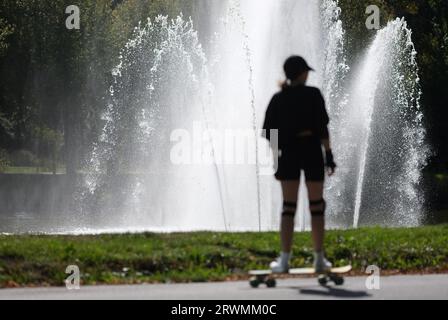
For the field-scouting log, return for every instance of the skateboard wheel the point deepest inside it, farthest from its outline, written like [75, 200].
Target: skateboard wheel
[339, 281]
[271, 283]
[323, 280]
[254, 283]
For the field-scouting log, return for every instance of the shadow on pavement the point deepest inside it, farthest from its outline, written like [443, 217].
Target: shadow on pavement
[334, 292]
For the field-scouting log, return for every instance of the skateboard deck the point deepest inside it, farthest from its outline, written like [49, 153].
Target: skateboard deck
[268, 277]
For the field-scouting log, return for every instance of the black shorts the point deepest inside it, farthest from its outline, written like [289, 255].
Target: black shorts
[307, 155]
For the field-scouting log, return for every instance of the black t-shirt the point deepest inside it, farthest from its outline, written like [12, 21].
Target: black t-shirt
[296, 110]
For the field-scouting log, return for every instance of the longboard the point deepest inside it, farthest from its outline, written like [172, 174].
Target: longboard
[267, 277]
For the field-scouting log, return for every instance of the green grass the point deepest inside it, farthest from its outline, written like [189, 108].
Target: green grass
[112, 259]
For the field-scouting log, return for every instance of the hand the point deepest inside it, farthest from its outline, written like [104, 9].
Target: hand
[329, 162]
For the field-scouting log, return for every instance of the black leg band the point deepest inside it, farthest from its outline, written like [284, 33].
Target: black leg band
[316, 213]
[319, 212]
[317, 202]
[289, 209]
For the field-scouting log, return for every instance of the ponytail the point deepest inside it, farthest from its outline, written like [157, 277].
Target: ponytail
[285, 84]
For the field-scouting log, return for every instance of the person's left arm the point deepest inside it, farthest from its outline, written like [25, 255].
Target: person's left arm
[323, 120]
[270, 121]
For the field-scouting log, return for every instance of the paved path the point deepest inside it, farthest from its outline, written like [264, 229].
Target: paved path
[396, 287]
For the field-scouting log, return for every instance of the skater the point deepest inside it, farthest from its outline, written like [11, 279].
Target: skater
[298, 113]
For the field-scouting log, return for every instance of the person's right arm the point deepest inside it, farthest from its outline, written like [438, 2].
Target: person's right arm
[270, 121]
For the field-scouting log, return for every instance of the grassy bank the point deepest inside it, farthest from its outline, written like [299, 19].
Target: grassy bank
[112, 259]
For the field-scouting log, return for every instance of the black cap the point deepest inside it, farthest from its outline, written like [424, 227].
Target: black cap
[294, 66]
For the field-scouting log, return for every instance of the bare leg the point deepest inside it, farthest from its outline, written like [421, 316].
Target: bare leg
[315, 193]
[290, 192]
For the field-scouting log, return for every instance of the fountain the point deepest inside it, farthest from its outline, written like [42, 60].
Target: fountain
[175, 86]
[381, 150]
[387, 129]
